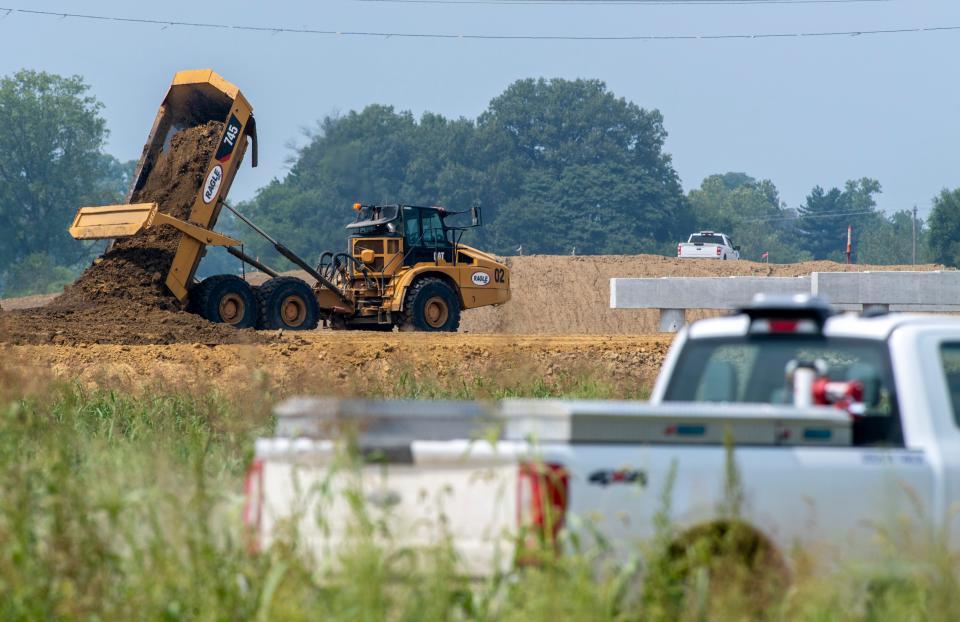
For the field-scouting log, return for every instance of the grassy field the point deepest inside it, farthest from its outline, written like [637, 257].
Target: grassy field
[127, 506]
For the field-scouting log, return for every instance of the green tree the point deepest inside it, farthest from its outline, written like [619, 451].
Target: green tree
[889, 240]
[945, 228]
[750, 212]
[37, 273]
[374, 156]
[115, 177]
[51, 138]
[569, 130]
[557, 155]
[824, 217]
[587, 209]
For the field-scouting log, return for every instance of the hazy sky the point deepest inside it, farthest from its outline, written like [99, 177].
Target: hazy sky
[799, 111]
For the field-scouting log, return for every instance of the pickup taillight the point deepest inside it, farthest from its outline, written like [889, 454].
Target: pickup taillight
[718, 250]
[784, 326]
[542, 499]
[679, 247]
[253, 506]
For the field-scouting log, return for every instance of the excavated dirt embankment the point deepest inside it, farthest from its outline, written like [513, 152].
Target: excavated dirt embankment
[358, 363]
[122, 298]
[572, 294]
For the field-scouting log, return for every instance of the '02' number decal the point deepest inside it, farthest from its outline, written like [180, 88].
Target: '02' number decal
[499, 275]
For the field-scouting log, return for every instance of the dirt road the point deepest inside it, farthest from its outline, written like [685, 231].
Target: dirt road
[363, 363]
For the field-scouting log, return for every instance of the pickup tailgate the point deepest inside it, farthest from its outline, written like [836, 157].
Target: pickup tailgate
[698, 251]
[463, 492]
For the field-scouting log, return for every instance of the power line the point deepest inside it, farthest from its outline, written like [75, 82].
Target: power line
[482, 37]
[619, 2]
[820, 215]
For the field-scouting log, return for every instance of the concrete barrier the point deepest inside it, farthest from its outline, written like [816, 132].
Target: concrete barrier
[673, 296]
[889, 291]
[850, 291]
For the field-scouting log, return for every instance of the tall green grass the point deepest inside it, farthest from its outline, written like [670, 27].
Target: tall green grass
[581, 386]
[127, 506]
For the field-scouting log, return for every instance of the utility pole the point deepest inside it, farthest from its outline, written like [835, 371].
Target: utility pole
[914, 235]
[849, 242]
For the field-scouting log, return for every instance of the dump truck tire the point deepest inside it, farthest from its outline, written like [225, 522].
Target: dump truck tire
[226, 299]
[287, 302]
[432, 306]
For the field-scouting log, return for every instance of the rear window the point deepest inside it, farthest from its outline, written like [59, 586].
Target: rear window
[950, 359]
[753, 370]
[706, 239]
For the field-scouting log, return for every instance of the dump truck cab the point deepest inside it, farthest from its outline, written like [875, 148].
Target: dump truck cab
[404, 235]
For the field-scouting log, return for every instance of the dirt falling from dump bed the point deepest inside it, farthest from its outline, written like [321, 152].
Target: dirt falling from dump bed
[122, 298]
[135, 268]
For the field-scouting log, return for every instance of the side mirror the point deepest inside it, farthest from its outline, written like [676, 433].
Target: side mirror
[475, 216]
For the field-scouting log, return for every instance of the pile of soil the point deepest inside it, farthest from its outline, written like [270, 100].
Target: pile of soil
[567, 294]
[122, 298]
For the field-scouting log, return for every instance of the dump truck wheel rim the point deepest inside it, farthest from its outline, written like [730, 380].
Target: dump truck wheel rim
[232, 308]
[293, 311]
[436, 312]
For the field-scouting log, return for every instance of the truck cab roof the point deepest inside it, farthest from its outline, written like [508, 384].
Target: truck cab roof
[378, 215]
[851, 325]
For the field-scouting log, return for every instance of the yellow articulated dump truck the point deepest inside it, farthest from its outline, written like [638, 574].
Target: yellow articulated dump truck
[403, 265]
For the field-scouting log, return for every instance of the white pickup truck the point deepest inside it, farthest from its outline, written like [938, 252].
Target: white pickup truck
[708, 245]
[813, 475]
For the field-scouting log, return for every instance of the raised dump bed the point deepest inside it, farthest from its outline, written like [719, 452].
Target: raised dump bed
[195, 98]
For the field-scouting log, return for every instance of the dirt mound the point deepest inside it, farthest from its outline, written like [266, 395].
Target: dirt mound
[124, 324]
[563, 294]
[122, 298]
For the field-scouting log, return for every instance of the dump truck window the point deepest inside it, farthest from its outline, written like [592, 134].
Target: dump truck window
[432, 229]
[411, 227]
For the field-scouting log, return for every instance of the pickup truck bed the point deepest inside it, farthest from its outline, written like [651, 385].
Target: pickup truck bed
[438, 459]
[816, 476]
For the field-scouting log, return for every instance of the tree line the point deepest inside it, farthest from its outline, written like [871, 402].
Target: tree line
[557, 166]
